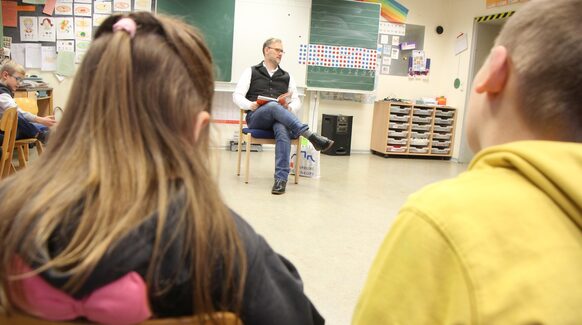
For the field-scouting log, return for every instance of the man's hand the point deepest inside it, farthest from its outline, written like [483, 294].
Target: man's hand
[254, 106]
[48, 121]
[282, 99]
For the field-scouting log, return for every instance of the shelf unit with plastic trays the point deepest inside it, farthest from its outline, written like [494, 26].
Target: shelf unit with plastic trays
[412, 130]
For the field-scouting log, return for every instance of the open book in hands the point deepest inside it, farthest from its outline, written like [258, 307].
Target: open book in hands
[282, 99]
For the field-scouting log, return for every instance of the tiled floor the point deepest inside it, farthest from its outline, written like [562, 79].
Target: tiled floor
[329, 227]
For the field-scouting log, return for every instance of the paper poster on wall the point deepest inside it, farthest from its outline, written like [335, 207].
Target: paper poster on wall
[9, 14]
[385, 69]
[142, 5]
[32, 56]
[49, 58]
[83, 28]
[28, 29]
[460, 43]
[67, 46]
[46, 29]
[66, 63]
[79, 57]
[121, 5]
[83, 10]
[383, 38]
[395, 40]
[82, 46]
[103, 8]
[34, 2]
[63, 9]
[386, 60]
[99, 19]
[17, 53]
[49, 7]
[65, 27]
[395, 53]
[386, 50]
[392, 29]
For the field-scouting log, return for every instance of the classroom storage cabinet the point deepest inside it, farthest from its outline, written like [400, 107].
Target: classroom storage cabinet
[413, 130]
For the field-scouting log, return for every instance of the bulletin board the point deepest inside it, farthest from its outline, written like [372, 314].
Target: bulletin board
[40, 40]
[398, 66]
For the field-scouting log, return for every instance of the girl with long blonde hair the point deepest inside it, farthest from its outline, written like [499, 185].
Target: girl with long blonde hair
[121, 210]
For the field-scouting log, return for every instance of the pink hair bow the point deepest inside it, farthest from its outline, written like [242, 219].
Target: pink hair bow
[121, 302]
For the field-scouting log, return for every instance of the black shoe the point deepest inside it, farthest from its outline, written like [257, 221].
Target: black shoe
[279, 186]
[320, 143]
[43, 136]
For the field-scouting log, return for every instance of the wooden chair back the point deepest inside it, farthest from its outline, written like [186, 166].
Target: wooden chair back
[225, 318]
[8, 125]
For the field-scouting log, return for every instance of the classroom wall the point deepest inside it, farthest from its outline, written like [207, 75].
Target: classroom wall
[289, 20]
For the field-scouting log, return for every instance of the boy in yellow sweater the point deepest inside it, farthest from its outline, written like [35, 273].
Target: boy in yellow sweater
[502, 242]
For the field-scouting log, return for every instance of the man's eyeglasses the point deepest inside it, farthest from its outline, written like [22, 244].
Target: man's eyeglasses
[18, 79]
[277, 50]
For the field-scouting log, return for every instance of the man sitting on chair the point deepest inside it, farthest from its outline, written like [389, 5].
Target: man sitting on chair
[269, 80]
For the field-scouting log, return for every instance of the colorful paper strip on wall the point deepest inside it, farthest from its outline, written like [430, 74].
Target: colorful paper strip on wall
[392, 10]
[338, 56]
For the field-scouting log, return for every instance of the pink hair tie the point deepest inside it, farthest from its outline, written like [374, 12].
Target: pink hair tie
[126, 24]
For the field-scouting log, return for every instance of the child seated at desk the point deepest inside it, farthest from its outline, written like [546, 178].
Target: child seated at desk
[29, 125]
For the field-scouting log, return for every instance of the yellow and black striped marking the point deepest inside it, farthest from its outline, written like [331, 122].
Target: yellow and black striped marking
[494, 16]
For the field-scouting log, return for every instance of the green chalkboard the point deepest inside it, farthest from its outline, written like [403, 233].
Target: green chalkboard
[215, 19]
[348, 24]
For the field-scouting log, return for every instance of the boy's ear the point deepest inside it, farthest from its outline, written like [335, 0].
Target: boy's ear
[495, 72]
[202, 120]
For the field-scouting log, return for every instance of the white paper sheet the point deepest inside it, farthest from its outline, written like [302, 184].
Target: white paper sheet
[33, 56]
[49, 58]
[17, 51]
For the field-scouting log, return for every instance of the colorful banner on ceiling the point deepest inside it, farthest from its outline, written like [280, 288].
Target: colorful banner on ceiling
[391, 10]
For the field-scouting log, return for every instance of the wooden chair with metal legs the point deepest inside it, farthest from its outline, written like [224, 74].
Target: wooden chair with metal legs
[8, 125]
[258, 136]
[225, 318]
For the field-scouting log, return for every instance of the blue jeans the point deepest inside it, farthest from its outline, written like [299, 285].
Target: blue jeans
[285, 125]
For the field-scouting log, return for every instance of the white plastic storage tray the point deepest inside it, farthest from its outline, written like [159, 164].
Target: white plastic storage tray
[398, 118]
[439, 128]
[421, 135]
[441, 136]
[447, 121]
[441, 143]
[440, 151]
[418, 119]
[396, 148]
[399, 109]
[418, 150]
[398, 126]
[393, 133]
[399, 141]
[442, 113]
[418, 142]
[422, 111]
[421, 127]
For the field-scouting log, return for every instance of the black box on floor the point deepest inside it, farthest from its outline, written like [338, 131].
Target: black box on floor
[339, 129]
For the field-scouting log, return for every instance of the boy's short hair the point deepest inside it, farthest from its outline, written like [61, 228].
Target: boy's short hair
[12, 67]
[544, 40]
[270, 41]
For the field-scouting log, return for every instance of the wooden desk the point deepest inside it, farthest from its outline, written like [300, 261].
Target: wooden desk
[45, 103]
